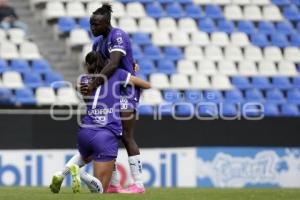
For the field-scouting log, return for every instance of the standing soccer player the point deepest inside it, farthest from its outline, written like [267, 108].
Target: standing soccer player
[114, 46]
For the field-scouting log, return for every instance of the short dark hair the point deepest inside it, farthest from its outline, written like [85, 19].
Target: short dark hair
[95, 61]
[105, 10]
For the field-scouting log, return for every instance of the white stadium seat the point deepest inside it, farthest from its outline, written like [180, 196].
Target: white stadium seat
[272, 13]
[233, 12]
[54, 10]
[128, 24]
[292, 54]
[193, 53]
[167, 24]
[272, 53]
[8, 51]
[159, 81]
[260, 2]
[91, 7]
[241, 2]
[252, 12]
[202, 2]
[45, 96]
[207, 67]
[12, 80]
[200, 38]
[213, 53]
[67, 95]
[135, 10]
[233, 53]
[219, 39]
[161, 38]
[29, 51]
[247, 68]
[187, 67]
[200, 81]
[151, 97]
[147, 25]
[78, 37]
[16, 35]
[221, 82]
[75, 9]
[187, 25]
[180, 39]
[239, 39]
[179, 81]
[253, 53]
[267, 68]
[119, 10]
[221, 2]
[286, 68]
[2, 35]
[227, 68]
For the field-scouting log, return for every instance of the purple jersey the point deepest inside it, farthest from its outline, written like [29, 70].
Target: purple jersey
[103, 110]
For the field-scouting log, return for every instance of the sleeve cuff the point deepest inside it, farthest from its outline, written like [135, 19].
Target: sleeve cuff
[120, 50]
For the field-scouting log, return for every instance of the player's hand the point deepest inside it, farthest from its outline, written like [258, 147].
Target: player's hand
[136, 67]
[86, 90]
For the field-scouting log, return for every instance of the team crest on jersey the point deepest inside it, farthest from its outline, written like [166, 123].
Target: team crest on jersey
[120, 40]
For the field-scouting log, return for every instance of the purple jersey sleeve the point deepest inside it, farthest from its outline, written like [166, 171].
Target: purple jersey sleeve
[118, 42]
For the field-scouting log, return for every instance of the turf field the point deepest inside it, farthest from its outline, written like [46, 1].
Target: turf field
[31, 193]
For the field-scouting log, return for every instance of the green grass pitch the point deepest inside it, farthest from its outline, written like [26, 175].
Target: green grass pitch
[35, 193]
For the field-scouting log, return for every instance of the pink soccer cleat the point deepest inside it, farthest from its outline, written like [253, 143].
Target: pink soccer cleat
[134, 189]
[116, 189]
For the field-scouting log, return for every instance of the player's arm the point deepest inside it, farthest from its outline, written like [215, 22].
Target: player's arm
[138, 82]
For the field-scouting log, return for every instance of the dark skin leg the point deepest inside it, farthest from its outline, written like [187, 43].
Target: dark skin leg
[128, 123]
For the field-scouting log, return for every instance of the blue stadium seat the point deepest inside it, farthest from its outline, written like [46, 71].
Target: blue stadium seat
[295, 40]
[141, 38]
[33, 80]
[66, 24]
[193, 96]
[20, 65]
[175, 11]
[261, 82]
[266, 27]
[165, 109]
[185, 109]
[285, 27]
[275, 96]
[152, 52]
[213, 96]
[172, 96]
[155, 10]
[254, 95]
[246, 27]
[84, 23]
[214, 11]
[127, 1]
[259, 39]
[291, 12]
[208, 110]
[271, 110]
[166, 67]
[281, 2]
[137, 52]
[165, 1]
[25, 96]
[234, 96]
[252, 110]
[293, 96]
[6, 96]
[279, 39]
[184, 1]
[146, 110]
[281, 82]
[194, 11]
[40, 66]
[290, 110]
[241, 82]
[3, 66]
[146, 66]
[54, 79]
[206, 25]
[145, 1]
[142, 76]
[228, 110]
[226, 26]
[173, 53]
[296, 82]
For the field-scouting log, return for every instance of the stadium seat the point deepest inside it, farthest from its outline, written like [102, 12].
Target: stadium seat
[135, 10]
[159, 81]
[286, 68]
[213, 96]
[267, 68]
[141, 38]
[66, 24]
[187, 67]
[40, 66]
[271, 110]
[253, 53]
[208, 110]
[241, 2]
[233, 53]
[179, 81]
[281, 82]
[137, 52]
[296, 82]
[247, 68]
[8, 51]
[290, 110]
[206, 25]
[75, 9]
[226, 26]
[166, 67]
[219, 39]
[254, 95]
[295, 40]
[246, 27]
[266, 27]
[16, 35]
[84, 23]
[3, 36]
[293, 96]
[275, 96]
[6, 96]
[180, 39]
[285, 27]
[214, 11]
[32, 80]
[175, 11]
[252, 12]
[193, 96]
[161, 38]
[25, 96]
[261, 82]
[239, 39]
[54, 10]
[279, 39]
[193, 53]
[187, 25]
[220, 82]
[78, 37]
[147, 25]
[167, 24]
[207, 67]
[234, 96]
[260, 39]
[29, 51]
[119, 10]
[12, 80]
[54, 80]
[45, 96]
[228, 110]
[146, 67]
[173, 53]
[151, 97]
[202, 2]
[233, 12]
[184, 109]
[200, 38]
[146, 110]
[194, 11]
[291, 12]
[152, 52]
[67, 96]
[92, 6]
[292, 54]
[166, 109]
[199, 81]
[155, 10]
[20, 66]
[261, 2]
[272, 53]
[271, 13]
[227, 67]
[172, 96]
[214, 53]
[281, 2]
[241, 82]
[129, 25]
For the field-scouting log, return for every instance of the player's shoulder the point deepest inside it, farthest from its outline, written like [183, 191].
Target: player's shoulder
[119, 32]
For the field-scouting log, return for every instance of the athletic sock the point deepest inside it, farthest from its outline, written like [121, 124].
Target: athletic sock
[135, 165]
[115, 177]
[92, 182]
[77, 160]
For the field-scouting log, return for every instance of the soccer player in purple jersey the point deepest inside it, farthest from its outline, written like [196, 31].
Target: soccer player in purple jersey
[114, 45]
